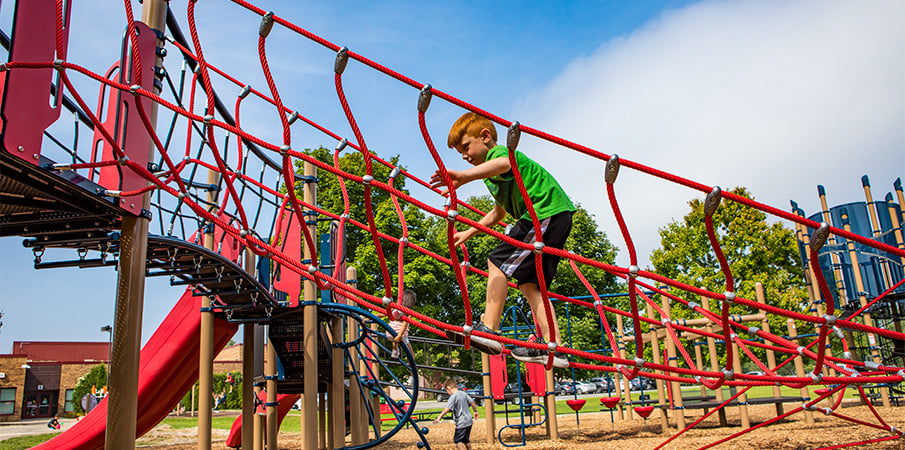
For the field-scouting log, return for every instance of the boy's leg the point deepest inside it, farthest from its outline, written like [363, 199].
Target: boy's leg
[531, 291]
[497, 290]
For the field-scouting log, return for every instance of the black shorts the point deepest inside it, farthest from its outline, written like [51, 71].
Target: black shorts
[518, 263]
[462, 435]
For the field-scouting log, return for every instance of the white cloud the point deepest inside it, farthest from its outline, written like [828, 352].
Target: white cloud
[777, 96]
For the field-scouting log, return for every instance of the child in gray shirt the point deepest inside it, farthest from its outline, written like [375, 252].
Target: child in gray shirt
[458, 403]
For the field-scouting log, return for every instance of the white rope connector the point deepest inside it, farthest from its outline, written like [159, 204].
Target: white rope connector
[597, 303]
[243, 233]
[386, 301]
[753, 331]
[208, 118]
[551, 346]
[312, 269]
[830, 319]
[64, 166]
[284, 149]
[403, 240]
[465, 264]
[134, 89]
[633, 271]
[732, 336]
[367, 179]
[901, 373]
[827, 411]
[395, 173]
[697, 379]
[538, 247]
[467, 329]
[245, 91]
[110, 193]
[452, 214]
[692, 305]
[728, 374]
[730, 296]
[871, 365]
[815, 377]
[180, 195]
[665, 321]
[58, 64]
[342, 144]
[292, 118]
[344, 216]
[847, 355]
[805, 406]
[639, 362]
[800, 349]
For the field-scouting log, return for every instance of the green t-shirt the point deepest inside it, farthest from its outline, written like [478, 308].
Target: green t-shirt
[547, 196]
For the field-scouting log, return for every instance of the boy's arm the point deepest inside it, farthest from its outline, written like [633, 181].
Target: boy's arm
[487, 169]
[493, 217]
[442, 413]
[474, 406]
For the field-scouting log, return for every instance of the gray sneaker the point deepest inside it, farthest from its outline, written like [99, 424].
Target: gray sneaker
[535, 355]
[483, 344]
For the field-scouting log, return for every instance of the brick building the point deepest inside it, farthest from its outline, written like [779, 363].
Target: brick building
[37, 379]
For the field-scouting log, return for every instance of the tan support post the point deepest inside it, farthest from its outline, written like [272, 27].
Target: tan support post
[699, 360]
[337, 394]
[206, 354]
[357, 412]
[679, 412]
[771, 355]
[859, 285]
[894, 218]
[309, 398]
[714, 362]
[489, 415]
[834, 257]
[661, 396]
[875, 227]
[270, 372]
[552, 428]
[122, 401]
[799, 370]
[322, 437]
[261, 352]
[742, 399]
[248, 350]
[629, 412]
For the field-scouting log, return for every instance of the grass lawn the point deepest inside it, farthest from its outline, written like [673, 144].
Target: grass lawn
[23, 442]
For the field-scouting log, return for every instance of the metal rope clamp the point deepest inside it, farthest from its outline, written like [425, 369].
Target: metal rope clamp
[712, 201]
[612, 169]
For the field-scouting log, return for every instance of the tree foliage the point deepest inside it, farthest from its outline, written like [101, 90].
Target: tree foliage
[96, 378]
[757, 251]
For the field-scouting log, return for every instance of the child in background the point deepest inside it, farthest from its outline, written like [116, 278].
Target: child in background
[458, 403]
[54, 423]
[400, 326]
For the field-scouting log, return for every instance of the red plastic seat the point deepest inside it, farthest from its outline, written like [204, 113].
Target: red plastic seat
[576, 404]
[644, 411]
[609, 402]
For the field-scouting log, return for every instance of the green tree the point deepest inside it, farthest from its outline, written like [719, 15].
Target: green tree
[96, 378]
[757, 251]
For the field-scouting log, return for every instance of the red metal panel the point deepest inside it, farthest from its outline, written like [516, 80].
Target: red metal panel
[537, 379]
[499, 377]
[27, 110]
[124, 123]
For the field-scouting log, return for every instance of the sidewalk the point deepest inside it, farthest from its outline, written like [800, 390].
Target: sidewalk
[31, 426]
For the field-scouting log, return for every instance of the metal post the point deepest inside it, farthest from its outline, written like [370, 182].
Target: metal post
[270, 374]
[309, 312]
[249, 346]
[206, 354]
[799, 370]
[357, 411]
[655, 351]
[714, 361]
[122, 400]
[679, 412]
[771, 355]
[620, 351]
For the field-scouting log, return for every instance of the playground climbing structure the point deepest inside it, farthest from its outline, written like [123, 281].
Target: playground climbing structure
[223, 202]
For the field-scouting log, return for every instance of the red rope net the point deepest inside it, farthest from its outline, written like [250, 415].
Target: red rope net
[170, 181]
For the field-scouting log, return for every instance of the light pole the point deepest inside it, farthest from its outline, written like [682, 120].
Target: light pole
[109, 330]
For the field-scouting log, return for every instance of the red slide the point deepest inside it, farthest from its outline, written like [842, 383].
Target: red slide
[168, 369]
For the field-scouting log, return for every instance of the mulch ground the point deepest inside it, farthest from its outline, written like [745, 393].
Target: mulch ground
[596, 431]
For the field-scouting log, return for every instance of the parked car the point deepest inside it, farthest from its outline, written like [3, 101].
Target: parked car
[585, 387]
[510, 394]
[604, 384]
[642, 383]
[566, 388]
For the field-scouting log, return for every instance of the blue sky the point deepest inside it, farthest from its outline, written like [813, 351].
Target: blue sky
[778, 96]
